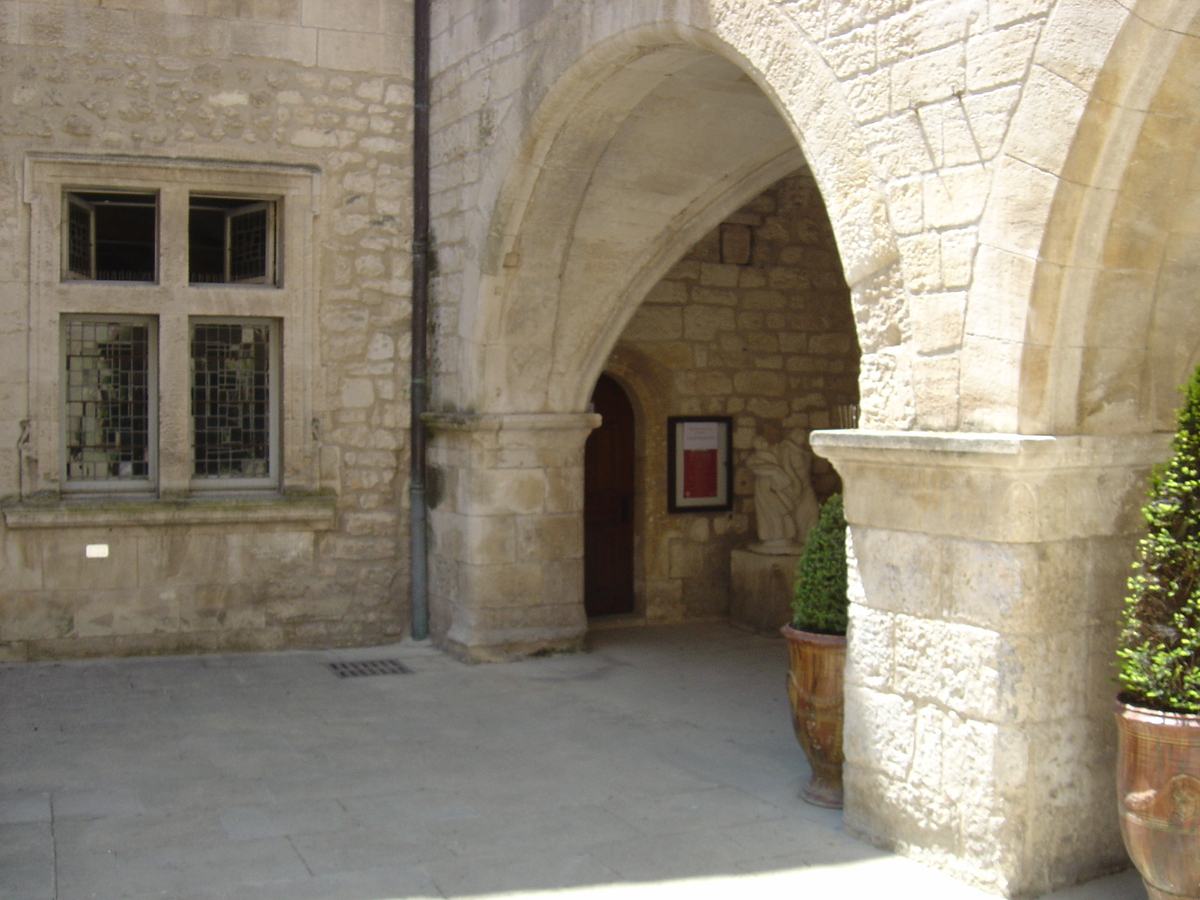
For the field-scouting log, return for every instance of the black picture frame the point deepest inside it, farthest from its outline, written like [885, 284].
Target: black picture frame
[699, 464]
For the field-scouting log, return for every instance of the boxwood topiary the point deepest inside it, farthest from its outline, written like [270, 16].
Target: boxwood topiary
[1158, 659]
[819, 600]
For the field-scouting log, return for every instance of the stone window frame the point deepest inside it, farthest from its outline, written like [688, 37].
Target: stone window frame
[174, 302]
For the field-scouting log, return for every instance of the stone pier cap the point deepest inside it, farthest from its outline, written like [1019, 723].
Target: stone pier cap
[1012, 488]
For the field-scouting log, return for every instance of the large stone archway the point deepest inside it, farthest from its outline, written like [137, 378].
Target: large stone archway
[628, 157]
[993, 755]
[991, 546]
[1111, 332]
[675, 124]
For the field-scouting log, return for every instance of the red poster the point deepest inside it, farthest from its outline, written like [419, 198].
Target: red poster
[700, 442]
[699, 473]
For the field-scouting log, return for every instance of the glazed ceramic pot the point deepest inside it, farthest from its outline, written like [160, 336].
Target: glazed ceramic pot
[815, 674]
[1158, 794]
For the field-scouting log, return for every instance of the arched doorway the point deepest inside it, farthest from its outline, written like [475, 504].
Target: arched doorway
[584, 221]
[608, 487]
[775, 356]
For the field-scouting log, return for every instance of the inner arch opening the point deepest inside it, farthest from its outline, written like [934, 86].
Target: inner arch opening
[667, 169]
[752, 328]
[632, 176]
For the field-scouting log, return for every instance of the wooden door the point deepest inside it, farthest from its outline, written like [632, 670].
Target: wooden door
[608, 504]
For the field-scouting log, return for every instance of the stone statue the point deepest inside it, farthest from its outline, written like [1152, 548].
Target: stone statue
[785, 506]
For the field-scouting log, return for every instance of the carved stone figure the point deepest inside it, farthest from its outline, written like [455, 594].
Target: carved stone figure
[784, 503]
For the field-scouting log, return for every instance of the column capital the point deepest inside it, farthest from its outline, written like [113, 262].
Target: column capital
[1010, 488]
[989, 450]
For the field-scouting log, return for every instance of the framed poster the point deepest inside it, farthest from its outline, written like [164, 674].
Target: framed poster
[698, 464]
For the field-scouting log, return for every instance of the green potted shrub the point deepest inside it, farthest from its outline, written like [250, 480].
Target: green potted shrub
[816, 641]
[1158, 663]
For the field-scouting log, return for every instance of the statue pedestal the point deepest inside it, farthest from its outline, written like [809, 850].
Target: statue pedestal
[761, 590]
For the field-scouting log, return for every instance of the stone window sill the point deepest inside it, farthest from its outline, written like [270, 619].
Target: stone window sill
[308, 511]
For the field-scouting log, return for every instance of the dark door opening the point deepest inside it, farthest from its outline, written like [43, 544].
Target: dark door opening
[608, 504]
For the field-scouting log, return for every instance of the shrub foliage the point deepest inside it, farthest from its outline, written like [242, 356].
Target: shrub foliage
[819, 601]
[1158, 658]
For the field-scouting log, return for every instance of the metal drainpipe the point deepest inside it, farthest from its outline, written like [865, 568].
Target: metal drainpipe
[419, 584]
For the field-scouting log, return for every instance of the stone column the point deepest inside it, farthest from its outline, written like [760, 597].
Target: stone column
[506, 532]
[990, 573]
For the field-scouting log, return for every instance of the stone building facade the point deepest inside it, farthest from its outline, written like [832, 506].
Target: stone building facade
[310, 114]
[1012, 190]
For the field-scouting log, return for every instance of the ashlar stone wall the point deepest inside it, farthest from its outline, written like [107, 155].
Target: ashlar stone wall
[768, 340]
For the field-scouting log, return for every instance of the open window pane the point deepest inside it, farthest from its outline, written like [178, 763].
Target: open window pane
[81, 238]
[232, 407]
[231, 241]
[109, 368]
[110, 236]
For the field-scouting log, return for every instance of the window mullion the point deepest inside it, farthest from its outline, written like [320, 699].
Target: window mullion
[174, 421]
[173, 226]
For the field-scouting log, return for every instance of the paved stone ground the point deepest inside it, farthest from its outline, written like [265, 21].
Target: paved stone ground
[661, 763]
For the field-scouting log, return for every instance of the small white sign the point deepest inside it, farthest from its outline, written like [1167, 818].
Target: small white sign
[701, 436]
[96, 551]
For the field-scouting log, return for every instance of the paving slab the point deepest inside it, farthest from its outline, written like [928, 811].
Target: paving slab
[20, 808]
[27, 861]
[659, 763]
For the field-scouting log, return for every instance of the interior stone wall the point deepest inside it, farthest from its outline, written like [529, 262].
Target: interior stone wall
[768, 341]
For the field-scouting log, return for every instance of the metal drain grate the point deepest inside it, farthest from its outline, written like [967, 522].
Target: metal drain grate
[362, 667]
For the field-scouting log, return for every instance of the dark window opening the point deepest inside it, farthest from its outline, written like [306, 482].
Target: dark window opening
[231, 241]
[111, 236]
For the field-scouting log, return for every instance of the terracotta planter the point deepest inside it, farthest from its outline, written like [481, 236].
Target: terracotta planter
[815, 664]
[1158, 794]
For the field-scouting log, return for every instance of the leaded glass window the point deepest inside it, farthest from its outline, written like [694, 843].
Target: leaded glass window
[109, 368]
[232, 398]
[137, 409]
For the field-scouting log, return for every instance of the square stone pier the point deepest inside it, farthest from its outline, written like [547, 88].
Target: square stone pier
[990, 575]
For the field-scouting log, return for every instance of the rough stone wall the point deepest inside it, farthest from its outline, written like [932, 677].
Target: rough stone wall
[770, 343]
[934, 91]
[311, 83]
